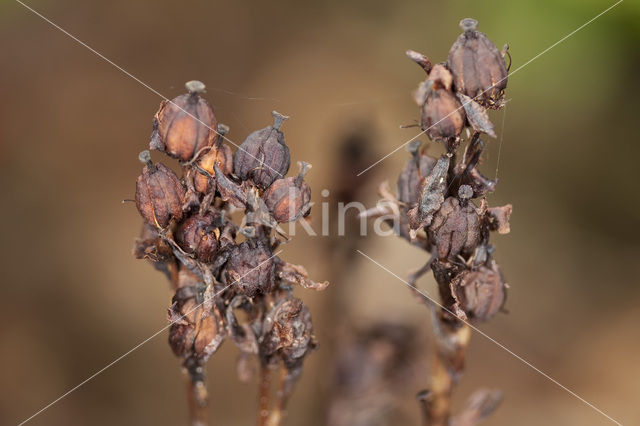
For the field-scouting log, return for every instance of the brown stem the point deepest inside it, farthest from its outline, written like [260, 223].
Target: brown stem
[264, 398]
[278, 412]
[196, 398]
[451, 341]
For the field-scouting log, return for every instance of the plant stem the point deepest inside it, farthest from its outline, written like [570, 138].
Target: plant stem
[278, 412]
[264, 399]
[451, 341]
[196, 399]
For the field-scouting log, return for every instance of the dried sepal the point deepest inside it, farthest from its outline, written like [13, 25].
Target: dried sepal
[234, 193]
[183, 126]
[479, 70]
[476, 115]
[263, 157]
[159, 193]
[297, 274]
[151, 247]
[499, 218]
[432, 195]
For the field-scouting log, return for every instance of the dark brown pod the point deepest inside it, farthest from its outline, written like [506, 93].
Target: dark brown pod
[481, 293]
[415, 170]
[183, 126]
[251, 268]
[198, 235]
[159, 193]
[478, 68]
[288, 199]
[219, 152]
[443, 117]
[456, 227]
[263, 157]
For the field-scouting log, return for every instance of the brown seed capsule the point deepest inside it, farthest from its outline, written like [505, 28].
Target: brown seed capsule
[415, 170]
[219, 152]
[251, 268]
[182, 127]
[482, 292]
[288, 199]
[159, 193]
[198, 235]
[443, 117]
[479, 70]
[456, 227]
[263, 157]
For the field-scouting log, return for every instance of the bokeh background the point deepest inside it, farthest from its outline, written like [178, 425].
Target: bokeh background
[71, 126]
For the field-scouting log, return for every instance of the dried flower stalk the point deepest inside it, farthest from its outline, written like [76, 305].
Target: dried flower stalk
[441, 207]
[216, 267]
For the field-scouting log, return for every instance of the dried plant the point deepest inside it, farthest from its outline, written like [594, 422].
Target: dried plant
[441, 207]
[218, 268]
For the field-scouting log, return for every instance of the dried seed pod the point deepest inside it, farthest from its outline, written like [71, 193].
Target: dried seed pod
[159, 193]
[194, 333]
[263, 157]
[220, 153]
[443, 117]
[287, 331]
[252, 268]
[198, 235]
[479, 70]
[183, 126]
[455, 229]
[415, 169]
[481, 293]
[288, 199]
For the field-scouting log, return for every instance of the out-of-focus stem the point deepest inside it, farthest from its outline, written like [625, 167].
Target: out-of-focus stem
[196, 399]
[264, 398]
[451, 341]
[279, 409]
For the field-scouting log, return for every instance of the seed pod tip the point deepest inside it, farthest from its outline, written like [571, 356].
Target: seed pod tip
[278, 119]
[144, 157]
[468, 24]
[195, 86]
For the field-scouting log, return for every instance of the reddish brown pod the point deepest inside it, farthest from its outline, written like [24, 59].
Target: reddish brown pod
[263, 157]
[288, 199]
[220, 153]
[251, 268]
[478, 67]
[159, 193]
[443, 117]
[199, 235]
[184, 126]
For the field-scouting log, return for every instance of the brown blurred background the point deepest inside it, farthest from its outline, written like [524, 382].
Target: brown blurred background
[71, 126]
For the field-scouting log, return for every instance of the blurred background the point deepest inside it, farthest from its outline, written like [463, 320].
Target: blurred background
[71, 126]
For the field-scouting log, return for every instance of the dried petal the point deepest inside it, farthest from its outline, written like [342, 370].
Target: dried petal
[220, 153]
[415, 170]
[499, 218]
[297, 274]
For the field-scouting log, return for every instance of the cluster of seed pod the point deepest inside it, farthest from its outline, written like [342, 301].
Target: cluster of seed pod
[440, 202]
[219, 268]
